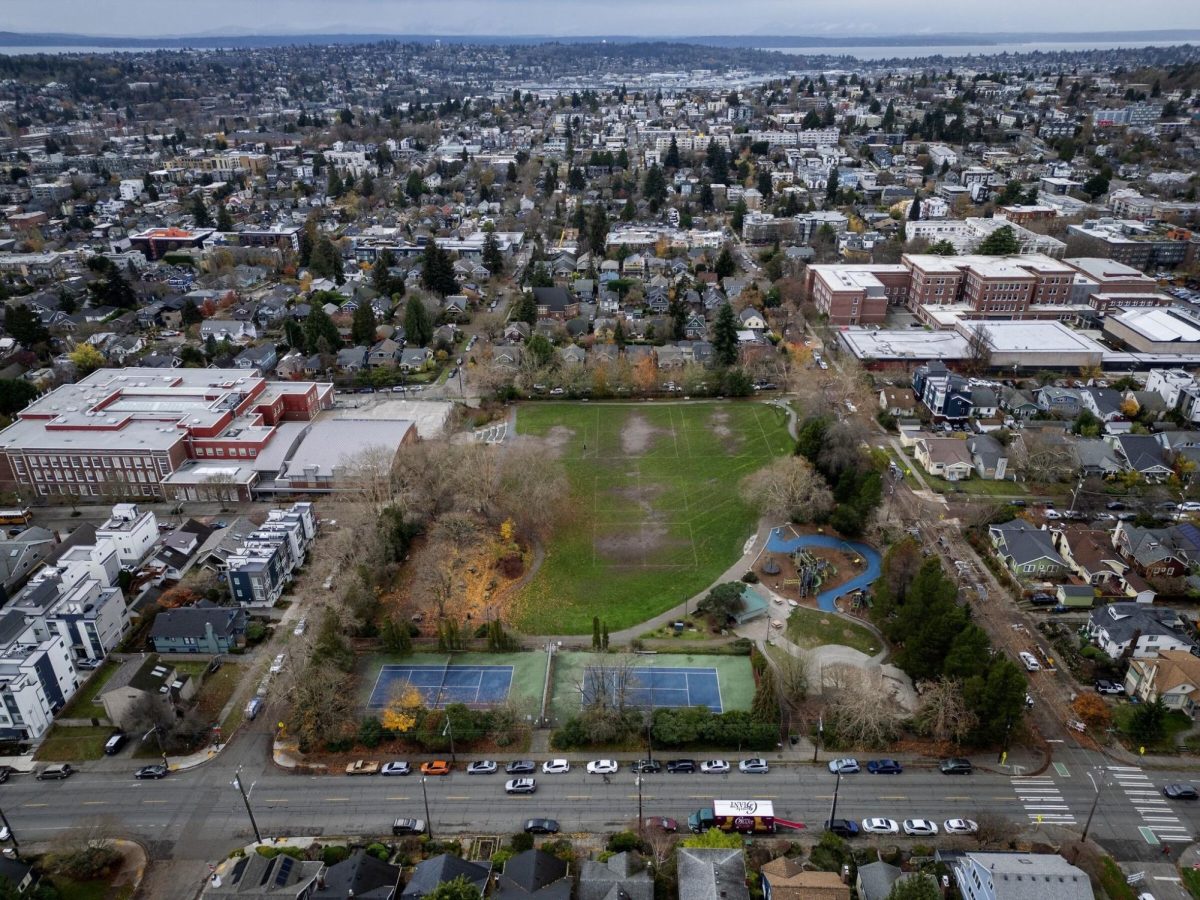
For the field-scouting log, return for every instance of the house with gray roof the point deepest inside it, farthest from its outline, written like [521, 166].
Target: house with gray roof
[1065, 402]
[1020, 876]
[1097, 457]
[1026, 550]
[280, 878]
[443, 869]
[202, 628]
[1103, 403]
[874, 881]
[708, 874]
[1144, 454]
[22, 553]
[352, 359]
[534, 874]
[360, 877]
[1019, 404]
[989, 457]
[1138, 629]
[262, 358]
[623, 876]
[1158, 552]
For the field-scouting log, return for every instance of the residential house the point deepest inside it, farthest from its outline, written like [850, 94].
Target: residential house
[202, 628]
[1103, 403]
[708, 874]
[21, 876]
[252, 875]
[984, 402]
[1019, 876]
[139, 681]
[1026, 550]
[415, 360]
[1097, 457]
[507, 356]
[1145, 455]
[38, 679]
[517, 332]
[875, 881]
[228, 329]
[1090, 555]
[555, 303]
[751, 318]
[989, 457]
[261, 358]
[1173, 675]
[1158, 552]
[784, 878]
[352, 359]
[1019, 404]
[946, 458]
[21, 553]
[572, 355]
[360, 877]
[383, 354]
[1137, 630]
[623, 876]
[898, 401]
[946, 395]
[533, 873]
[442, 869]
[1064, 402]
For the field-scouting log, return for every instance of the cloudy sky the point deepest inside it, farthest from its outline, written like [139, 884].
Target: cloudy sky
[567, 17]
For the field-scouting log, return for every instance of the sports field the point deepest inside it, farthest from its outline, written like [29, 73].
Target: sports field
[720, 682]
[656, 515]
[476, 679]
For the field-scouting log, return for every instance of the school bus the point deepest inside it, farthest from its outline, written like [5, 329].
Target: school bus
[16, 516]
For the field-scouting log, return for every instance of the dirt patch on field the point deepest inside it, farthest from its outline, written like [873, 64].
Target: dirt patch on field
[554, 442]
[637, 435]
[718, 424]
[641, 494]
[648, 545]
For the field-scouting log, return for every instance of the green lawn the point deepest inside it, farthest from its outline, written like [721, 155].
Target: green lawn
[656, 512]
[83, 705]
[809, 628]
[1191, 881]
[65, 744]
[1176, 722]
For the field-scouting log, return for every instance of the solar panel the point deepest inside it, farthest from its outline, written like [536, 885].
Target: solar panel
[285, 869]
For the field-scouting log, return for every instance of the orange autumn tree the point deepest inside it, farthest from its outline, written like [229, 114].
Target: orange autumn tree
[403, 709]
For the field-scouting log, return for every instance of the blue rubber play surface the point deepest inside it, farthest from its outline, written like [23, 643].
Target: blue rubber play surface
[781, 543]
[656, 687]
[443, 685]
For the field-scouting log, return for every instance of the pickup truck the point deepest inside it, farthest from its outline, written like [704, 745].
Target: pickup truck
[362, 767]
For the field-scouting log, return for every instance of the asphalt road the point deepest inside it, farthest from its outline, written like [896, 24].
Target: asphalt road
[198, 814]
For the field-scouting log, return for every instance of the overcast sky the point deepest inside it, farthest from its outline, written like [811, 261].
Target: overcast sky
[567, 17]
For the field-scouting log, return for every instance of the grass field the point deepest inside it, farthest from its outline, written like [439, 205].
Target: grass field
[656, 512]
[84, 704]
[66, 744]
[809, 628]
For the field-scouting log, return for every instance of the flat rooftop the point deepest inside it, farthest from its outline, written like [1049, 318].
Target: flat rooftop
[1161, 325]
[332, 444]
[915, 344]
[1034, 336]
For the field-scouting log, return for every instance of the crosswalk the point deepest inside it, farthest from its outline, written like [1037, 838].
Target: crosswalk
[1162, 825]
[1042, 800]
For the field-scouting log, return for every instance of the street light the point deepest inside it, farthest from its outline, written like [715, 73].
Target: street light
[641, 823]
[428, 820]
[833, 807]
[1095, 800]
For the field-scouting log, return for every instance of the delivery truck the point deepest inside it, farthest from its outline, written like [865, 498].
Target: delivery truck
[744, 816]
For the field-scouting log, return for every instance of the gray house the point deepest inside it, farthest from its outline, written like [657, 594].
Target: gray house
[202, 628]
[534, 874]
[1020, 876]
[875, 880]
[706, 874]
[361, 877]
[1026, 550]
[622, 876]
[443, 869]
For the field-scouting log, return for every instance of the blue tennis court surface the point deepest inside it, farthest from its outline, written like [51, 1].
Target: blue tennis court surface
[442, 685]
[653, 687]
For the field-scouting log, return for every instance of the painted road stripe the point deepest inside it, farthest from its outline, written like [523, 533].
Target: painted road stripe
[94, 802]
[1124, 768]
[274, 800]
[1177, 838]
[1061, 770]
[337, 799]
[1148, 835]
[32, 806]
[395, 798]
[902, 798]
[457, 798]
[154, 801]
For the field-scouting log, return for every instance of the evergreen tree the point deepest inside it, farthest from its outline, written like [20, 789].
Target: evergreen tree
[24, 326]
[526, 309]
[363, 325]
[718, 162]
[672, 158]
[512, 172]
[575, 179]
[367, 186]
[333, 185]
[200, 212]
[493, 259]
[190, 313]
[725, 264]
[628, 211]
[319, 331]
[1001, 242]
[382, 280]
[619, 334]
[326, 260]
[414, 187]
[725, 340]
[597, 235]
[418, 326]
[764, 184]
[914, 208]
[654, 187]
[595, 632]
[707, 202]
[293, 335]
[437, 272]
[224, 219]
[831, 187]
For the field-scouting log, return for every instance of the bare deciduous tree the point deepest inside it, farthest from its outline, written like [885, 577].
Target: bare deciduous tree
[943, 714]
[789, 489]
[862, 713]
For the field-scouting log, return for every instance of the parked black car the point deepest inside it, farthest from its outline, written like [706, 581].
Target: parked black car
[541, 826]
[681, 765]
[842, 827]
[956, 766]
[521, 767]
[647, 766]
[1180, 791]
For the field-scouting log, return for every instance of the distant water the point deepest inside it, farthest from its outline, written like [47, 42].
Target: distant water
[909, 52]
[31, 51]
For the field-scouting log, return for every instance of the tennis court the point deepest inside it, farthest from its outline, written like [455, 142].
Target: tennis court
[443, 685]
[655, 686]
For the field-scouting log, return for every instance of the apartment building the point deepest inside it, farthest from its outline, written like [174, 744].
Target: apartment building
[155, 243]
[36, 678]
[1136, 244]
[132, 531]
[269, 557]
[120, 432]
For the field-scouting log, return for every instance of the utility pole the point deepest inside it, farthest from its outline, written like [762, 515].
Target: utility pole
[649, 739]
[820, 736]
[641, 824]
[836, 785]
[237, 782]
[17, 848]
[428, 821]
[1095, 801]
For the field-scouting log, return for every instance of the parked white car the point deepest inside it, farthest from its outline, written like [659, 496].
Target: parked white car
[920, 827]
[602, 767]
[880, 826]
[277, 664]
[1030, 661]
[960, 826]
[714, 767]
[556, 767]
